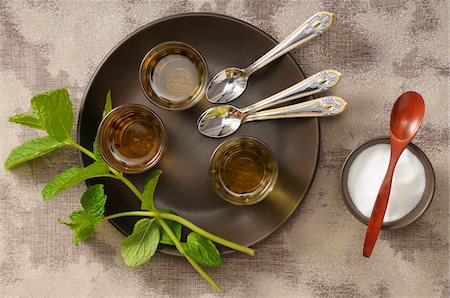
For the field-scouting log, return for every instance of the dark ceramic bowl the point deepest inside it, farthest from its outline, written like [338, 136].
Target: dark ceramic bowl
[417, 211]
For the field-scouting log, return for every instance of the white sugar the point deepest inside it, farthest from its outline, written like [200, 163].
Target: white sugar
[366, 175]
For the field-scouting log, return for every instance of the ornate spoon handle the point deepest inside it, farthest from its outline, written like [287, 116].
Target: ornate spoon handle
[320, 107]
[311, 28]
[319, 82]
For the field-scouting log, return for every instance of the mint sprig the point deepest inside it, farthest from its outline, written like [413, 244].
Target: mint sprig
[141, 245]
[173, 225]
[84, 223]
[108, 104]
[149, 190]
[106, 110]
[52, 112]
[30, 150]
[202, 250]
[27, 120]
[73, 176]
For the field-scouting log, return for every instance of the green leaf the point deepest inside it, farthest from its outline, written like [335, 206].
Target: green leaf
[27, 120]
[84, 223]
[149, 189]
[173, 225]
[54, 110]
[81, 224]
[30, 150]
[93, 202]
[141, 245]
[72, 176]
[108, 104]
[202, 250]
[96, 151]
[106, 110]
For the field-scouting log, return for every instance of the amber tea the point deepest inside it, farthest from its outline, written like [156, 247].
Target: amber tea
[131, 138]
[243, 170]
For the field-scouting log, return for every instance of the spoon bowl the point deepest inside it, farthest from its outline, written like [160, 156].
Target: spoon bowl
[407, 115]
[227, 85]
[221, 121]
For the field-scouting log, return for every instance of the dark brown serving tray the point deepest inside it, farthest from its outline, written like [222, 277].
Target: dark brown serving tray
[185, 185]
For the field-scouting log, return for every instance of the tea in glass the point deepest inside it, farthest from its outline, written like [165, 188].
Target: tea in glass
[173, 76]
[243, 170]
[131, 138]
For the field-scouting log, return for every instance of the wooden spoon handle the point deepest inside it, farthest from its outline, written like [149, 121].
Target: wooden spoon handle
[379, 210]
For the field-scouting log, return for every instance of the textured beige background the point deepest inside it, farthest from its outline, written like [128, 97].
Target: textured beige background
[382, 48]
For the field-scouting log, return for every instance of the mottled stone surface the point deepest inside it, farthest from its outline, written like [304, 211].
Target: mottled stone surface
[382, 48]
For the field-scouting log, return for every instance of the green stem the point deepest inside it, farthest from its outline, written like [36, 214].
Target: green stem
[104, 176]
[116, 173]
[189, 225]
[129, 185]
[172, 236]
[190, 260]
[207, 234]
[131, 213]
[74, 144]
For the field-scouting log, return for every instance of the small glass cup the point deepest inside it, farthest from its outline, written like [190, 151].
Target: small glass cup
[173, 76]
[243, 170]
[131, 138]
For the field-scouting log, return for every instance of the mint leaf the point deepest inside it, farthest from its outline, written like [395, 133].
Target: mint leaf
[106, 110]
[81, 224]
[141, 245]
[93, 202]
[27, 120]
[54, 110]
[96, 151]
[173, 225]
[30, 150]
[149, 189]
[202, 250]
[108, 104]
[84, 223]
[72, 176]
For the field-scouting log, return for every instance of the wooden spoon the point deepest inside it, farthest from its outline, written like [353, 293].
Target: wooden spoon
[406, 118]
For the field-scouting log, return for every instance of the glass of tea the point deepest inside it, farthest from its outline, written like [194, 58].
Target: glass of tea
[243, 170]
[173, 76]
[131, 138]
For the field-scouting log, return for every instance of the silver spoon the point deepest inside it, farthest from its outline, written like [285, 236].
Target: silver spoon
[230, 83]
[222, 121]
